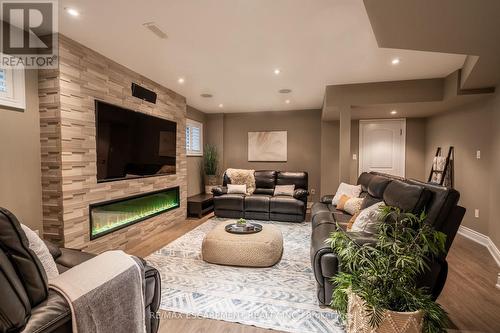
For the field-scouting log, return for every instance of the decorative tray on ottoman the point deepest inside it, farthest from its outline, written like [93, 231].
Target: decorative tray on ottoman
[249, 228]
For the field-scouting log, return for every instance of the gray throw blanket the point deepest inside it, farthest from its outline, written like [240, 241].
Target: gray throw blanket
[106, 294]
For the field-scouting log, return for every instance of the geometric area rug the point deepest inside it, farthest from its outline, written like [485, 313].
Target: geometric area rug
[282, 297]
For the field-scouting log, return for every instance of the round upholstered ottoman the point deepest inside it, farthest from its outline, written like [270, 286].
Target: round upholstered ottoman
[262, 249]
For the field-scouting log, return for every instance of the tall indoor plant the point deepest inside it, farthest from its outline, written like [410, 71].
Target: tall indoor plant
[377, 285]
[210, 166]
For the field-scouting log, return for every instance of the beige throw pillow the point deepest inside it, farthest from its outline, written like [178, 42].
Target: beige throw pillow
[236, 189]
[352, 191]
[284, 190]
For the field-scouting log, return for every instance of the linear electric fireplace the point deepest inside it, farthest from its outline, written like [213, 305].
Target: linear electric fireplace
[109, 216]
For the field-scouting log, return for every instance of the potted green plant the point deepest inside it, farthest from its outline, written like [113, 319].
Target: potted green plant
[241, 222]
[376, 289]
[210, 166]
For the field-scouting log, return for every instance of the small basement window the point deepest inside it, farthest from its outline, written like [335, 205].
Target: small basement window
[194, 138]
[12, 88]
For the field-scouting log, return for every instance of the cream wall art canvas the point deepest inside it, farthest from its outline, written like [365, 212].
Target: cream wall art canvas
[267, 146]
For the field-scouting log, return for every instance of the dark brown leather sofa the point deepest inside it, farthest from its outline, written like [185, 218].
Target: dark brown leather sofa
[439, 203]
[26, 303]
[262, 205]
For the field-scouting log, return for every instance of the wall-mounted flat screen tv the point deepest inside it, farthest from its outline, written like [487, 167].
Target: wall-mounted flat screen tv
[131, 144]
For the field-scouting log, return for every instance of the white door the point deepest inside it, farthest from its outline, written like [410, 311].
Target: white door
[382, 146]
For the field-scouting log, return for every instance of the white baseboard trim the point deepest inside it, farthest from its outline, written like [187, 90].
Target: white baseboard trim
[484, 241]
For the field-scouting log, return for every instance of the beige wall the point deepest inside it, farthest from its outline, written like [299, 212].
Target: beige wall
[470, 128]
[194, 172]
[214, 135]
[329, 156]
[494, 213]
[416, 167]
[20, 184]
[304, 141]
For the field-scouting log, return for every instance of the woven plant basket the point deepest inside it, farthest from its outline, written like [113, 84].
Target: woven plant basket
[393, 322]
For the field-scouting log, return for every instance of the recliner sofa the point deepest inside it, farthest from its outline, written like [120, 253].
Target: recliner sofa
[262, 205]
[440, 204]
[26, 302]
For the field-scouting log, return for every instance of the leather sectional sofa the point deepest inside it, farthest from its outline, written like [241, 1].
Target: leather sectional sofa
[439, 203]
[26, 303]
[262, 205]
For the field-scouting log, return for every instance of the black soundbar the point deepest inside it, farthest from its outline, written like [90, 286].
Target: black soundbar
[143, 93]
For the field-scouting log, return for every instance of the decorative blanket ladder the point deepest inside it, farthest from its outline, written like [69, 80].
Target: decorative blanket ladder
[442, 168]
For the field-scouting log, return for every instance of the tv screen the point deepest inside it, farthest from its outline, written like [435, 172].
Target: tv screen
[132, 144]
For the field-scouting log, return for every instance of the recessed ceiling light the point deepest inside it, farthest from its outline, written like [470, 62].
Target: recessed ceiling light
[72, 12]
[285, 91]
[181, 80]
[287, 101]
[277, 71]
[205, 95]
[395, 61]
[394, 112]
[221, 105]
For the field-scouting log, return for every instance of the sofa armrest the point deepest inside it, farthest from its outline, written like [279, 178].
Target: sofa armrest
[300, 194]
[219, 190]
[327, 199]
[70, 258]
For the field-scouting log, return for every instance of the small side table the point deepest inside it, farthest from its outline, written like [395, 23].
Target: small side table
[200, 204]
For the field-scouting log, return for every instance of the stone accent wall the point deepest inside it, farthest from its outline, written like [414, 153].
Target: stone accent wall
[68, 139]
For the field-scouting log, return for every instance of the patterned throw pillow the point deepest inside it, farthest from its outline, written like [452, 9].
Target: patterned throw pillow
[367, 219]
[342, 201]
[349, 205]
[353, 205]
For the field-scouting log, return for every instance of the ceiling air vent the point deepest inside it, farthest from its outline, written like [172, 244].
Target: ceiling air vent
[151, 26]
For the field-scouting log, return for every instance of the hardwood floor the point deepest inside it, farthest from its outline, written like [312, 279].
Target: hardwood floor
[469, 296]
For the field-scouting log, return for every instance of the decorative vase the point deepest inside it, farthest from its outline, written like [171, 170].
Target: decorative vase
[211, 180]
[392, 322]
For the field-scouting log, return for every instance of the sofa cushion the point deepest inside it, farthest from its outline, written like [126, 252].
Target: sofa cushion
[341, 217]
[363, 180]
[14, 303]
[266, 191]
[407, 197]
[299, 179]
[230, 202]
[29, 269]
[377, 186]
[265, 179]
[286, 205]
[369, 201]
[257, 203]
[52, 315]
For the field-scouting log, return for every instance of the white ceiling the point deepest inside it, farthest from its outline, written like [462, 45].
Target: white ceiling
[230, 48]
